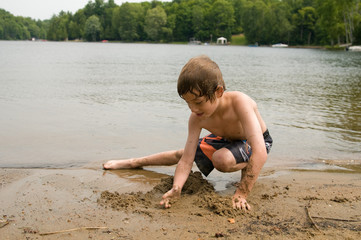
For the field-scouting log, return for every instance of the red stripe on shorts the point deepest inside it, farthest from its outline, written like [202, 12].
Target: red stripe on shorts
[207, 149]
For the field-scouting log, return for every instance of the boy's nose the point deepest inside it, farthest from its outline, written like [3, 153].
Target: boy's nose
[193, 108]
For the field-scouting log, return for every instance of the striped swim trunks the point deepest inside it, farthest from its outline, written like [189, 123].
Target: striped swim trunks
[241, 150]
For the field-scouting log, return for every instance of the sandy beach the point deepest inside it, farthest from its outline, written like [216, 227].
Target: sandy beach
[89, 203]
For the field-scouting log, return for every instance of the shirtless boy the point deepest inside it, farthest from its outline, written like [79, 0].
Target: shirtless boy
[239, 140]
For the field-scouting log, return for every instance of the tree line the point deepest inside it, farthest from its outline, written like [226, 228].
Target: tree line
[295, 22]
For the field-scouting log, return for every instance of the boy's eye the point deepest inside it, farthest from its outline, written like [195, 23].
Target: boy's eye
[199, 102]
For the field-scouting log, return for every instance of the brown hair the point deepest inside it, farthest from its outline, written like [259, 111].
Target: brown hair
[200, 74]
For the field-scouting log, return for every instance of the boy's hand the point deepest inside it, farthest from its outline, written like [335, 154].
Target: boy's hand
[240, 202]
[174, 193]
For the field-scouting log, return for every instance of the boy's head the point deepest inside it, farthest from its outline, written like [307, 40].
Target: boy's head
[201, 75]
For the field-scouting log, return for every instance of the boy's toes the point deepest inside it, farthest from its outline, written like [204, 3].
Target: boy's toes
[106, 166]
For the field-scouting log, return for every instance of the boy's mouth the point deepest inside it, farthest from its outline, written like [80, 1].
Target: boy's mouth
[199, 114]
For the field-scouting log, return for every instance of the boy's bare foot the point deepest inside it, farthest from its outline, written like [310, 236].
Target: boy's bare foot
[119, 164]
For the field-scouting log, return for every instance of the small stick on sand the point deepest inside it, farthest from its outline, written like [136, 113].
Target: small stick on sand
[337, 219]
[311, 219]
[3, 223]
[71, 230]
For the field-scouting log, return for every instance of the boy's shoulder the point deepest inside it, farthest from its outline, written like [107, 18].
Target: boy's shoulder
[235, 94]
[239, 102]
[237, 97]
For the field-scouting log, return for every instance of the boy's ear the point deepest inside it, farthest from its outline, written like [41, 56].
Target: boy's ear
[219, 91]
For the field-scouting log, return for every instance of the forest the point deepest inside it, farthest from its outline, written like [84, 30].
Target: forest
[265, 22]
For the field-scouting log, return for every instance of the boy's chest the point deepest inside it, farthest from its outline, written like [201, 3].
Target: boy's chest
[227, 128]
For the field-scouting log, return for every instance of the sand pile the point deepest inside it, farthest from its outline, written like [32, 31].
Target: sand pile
[196, 190]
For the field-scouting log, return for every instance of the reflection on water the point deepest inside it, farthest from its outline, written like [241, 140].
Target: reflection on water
[66, 104]
[344, 110]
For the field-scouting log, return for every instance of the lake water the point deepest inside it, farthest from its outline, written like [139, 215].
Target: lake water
[68, 104]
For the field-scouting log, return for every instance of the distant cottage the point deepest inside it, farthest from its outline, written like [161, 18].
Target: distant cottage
[222, 41]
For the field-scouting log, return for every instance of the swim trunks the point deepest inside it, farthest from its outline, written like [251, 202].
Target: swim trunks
[241, 150]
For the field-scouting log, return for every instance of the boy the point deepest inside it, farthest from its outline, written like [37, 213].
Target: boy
[239, 139]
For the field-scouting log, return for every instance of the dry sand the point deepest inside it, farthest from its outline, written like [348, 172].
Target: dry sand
[124, 204]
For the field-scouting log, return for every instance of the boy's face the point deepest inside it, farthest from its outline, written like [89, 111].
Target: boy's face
[201, 106]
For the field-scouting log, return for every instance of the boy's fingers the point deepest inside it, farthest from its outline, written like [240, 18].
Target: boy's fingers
[165, 203]
[245, 206]
[171, 194]
[241, 204]
[237, 205]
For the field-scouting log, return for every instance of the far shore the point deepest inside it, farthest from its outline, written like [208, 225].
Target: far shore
[326, 47]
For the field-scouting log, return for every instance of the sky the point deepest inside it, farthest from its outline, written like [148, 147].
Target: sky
[45, 9]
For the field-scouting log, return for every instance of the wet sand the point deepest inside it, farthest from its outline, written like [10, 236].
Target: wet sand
[95, 204]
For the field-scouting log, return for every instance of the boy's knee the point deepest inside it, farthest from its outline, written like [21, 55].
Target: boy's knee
[179, 153]
[223, 160]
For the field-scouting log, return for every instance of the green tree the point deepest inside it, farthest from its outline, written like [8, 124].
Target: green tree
[222, 18]
[110, 4]
[357, 32]
[14, 31]
[238, 6]
[266, 21]
[155, 23]
[58, 27]
[94, 8]
[183, 21]
[197, 19]
[253, 21]
[201, 20]
[108, 30]
[92, 28]
[19, 28]
[328, 25]
[128, 19]
[278, 23]
[31, 27]
[78, 27]
[171, 25]
[262, 21]
[73, 30]
[349, 10]
[304, 21]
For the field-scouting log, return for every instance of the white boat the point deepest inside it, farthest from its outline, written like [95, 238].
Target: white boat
[279, 45]
[354, 49]
[193, 41]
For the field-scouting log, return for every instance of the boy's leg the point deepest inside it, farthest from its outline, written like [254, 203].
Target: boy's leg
[163, 158]
[224, 161]
[216, 152]
[213, 152]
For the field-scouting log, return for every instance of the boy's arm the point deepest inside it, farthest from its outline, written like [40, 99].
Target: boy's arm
[185, 164]
[254, 136]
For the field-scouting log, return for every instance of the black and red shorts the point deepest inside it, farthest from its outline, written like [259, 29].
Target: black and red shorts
[241, 150]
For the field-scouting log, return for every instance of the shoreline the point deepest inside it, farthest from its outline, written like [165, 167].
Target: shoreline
[318, 47]
[285, 203]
